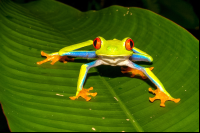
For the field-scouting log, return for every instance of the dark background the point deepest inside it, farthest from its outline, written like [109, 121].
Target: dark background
[182, 12]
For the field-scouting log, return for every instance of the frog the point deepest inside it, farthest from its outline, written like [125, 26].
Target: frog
[114, 53]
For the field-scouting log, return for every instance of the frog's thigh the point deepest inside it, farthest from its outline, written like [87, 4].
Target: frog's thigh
[150, 75]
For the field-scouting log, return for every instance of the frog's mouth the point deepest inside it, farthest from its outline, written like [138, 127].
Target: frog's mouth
[113, 56]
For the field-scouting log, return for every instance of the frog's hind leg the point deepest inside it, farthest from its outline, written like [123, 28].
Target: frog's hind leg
[160, 92]
[81, 92]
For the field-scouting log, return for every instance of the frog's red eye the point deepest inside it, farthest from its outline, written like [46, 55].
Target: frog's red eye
[129, 44]
[97, 43]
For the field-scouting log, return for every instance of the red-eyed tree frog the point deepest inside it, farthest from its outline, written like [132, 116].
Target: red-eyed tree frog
[110, 52]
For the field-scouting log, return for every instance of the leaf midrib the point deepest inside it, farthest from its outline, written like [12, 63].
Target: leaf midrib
[123, 107]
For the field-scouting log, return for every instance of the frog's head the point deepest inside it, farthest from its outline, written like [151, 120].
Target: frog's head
[113, 47]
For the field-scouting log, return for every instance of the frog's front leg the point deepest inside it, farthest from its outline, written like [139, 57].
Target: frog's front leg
[82, 76]
[54, 57]
[67, 51]
[160, 92]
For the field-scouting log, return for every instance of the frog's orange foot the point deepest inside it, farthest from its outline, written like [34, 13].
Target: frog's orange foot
[54, 58]
[134, 71]
[84, 94]
[162, 96]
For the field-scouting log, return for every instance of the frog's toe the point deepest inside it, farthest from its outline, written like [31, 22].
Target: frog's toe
[151, 68]
[84, 94]
[162, 96]
[73, 97]
[93, 94]
[53, 58]
[134, 72]
[87, 98]
[43, 53]
[176, 100]
[152, 99]
[44, 61]
[65, 59]
[162, 104]
[89, 89]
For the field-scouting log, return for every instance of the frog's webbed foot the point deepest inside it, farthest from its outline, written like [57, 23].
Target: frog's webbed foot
[134, 72]
[54, 58]
[84, 94]
[162, 96]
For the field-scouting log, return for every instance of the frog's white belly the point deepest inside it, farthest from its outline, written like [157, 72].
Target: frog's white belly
[114, 60]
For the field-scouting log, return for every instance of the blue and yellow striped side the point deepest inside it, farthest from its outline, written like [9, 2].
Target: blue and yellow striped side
[82, 54]
[152, 77]
[83, 74]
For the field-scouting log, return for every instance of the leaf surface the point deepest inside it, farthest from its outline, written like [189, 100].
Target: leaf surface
[36, 98]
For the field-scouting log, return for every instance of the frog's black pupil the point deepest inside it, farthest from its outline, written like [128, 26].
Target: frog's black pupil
[95, 43]
[131, 44]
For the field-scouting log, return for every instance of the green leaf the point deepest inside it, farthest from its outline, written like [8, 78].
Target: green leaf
[36, 98]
